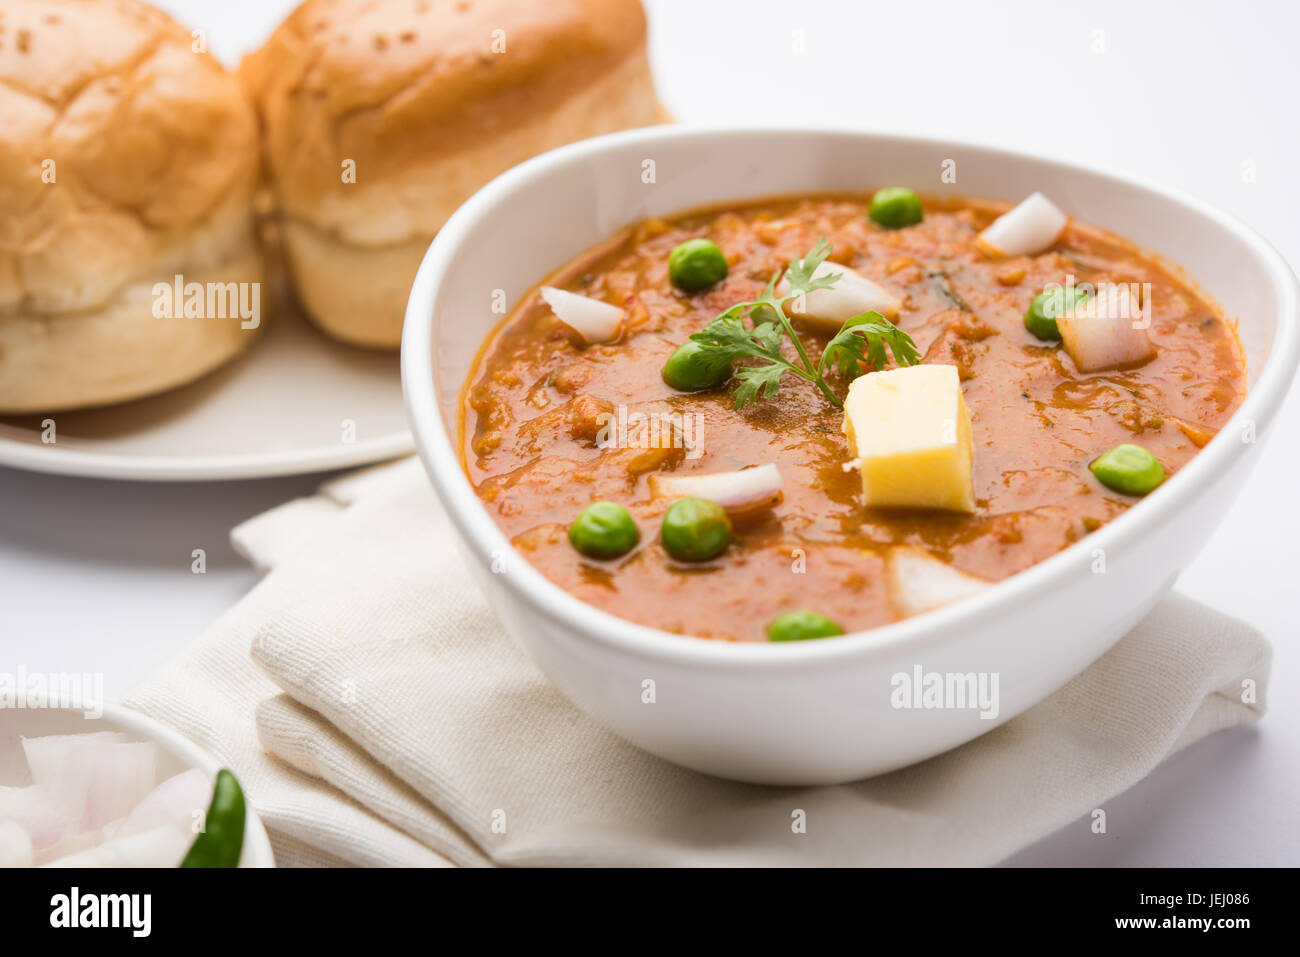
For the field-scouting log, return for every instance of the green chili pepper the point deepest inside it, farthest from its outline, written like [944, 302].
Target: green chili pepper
[223, 828]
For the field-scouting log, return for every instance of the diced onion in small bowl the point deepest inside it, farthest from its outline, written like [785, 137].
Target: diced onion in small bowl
[852, 295]
[739, 491]
[1026, 230]
[592, 319]
[96, 802]
[1106, 331]
[919, 582]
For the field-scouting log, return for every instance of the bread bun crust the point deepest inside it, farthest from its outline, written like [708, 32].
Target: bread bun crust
[424, 101]
[121, 350]
[127, 155]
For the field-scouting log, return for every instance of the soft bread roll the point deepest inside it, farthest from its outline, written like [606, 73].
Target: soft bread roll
[425, 101]
[126, 158]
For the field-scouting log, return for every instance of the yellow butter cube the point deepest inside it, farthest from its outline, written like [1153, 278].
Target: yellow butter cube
[909, 434]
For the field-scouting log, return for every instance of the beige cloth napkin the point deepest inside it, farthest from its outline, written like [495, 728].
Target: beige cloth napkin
[378, 714]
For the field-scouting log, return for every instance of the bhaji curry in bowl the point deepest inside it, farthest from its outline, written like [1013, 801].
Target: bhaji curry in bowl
[807, 416]
[734, 469]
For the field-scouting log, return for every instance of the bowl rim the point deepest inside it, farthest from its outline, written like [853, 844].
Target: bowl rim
[437, 449]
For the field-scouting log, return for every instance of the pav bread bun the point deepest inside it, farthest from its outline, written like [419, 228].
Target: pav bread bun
[380, 117]
[128, 157]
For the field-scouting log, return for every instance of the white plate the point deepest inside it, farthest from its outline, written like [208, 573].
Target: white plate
[282, 409]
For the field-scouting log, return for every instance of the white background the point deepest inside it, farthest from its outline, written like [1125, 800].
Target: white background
[95, 576]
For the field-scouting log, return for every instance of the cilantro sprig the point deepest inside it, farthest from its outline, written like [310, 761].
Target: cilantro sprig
[756, 330]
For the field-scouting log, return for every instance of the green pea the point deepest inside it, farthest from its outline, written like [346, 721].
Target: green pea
[1040, 319]
[802, 625]
[692, 367]
[604, 530]
[695, 530]
[895, 207]
[1130, 469]
[696, 264]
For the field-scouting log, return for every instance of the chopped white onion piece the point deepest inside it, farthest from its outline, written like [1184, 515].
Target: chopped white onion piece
[51, 756]
[1028, 229]
[163, 846]
[919, 582]
[752, 488]
[180, 795]
[15, 845]
[1100, 333]
[592, 319]
[32, 809]
[852, 295]
[74, 842]
[97, 777]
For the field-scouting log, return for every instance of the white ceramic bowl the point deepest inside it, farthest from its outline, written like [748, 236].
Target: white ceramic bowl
[820, 712]
[175, 754]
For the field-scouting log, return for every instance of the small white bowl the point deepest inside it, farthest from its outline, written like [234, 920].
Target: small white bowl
[820, 712]
[175, 754]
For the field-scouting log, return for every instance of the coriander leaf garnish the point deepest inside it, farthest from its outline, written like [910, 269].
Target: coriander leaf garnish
[799, 274]
[865, 340]
[757, 382]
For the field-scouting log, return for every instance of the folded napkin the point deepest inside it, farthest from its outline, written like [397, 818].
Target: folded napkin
[377, 714]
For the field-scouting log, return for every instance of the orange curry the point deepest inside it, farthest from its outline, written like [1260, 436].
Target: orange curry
[536, 402]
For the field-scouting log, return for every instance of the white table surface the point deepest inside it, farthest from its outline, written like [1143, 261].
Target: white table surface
[95, 576]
